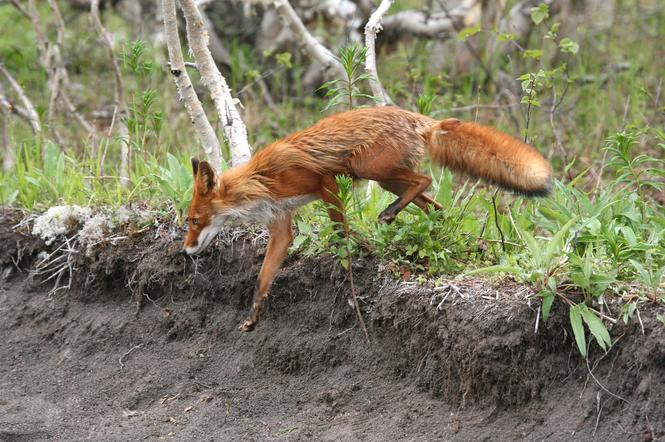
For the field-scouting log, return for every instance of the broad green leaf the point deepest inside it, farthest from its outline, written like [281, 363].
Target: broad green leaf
[596, 327]
[540, 13]
[578, 328]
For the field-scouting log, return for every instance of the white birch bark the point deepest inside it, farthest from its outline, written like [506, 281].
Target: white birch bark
[118, 100]
[234, 128]
[202, 126]
[372, 28]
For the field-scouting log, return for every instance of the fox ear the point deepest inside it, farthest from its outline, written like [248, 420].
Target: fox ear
[195, 166]
[449, 124]
[205, 177]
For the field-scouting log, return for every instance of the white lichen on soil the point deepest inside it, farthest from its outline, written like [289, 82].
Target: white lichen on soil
[93, 227]
[59, 220]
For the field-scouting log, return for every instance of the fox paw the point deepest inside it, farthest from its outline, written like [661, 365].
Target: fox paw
[247, 326]
[386, 218]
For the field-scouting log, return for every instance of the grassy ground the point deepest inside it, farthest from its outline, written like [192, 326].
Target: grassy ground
[591, 100]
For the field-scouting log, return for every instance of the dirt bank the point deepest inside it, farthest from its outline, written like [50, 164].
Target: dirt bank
[93, 363]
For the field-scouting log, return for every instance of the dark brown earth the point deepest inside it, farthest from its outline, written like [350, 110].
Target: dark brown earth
[86, 363]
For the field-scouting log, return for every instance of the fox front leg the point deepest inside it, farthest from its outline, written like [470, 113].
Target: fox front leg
[280, 240]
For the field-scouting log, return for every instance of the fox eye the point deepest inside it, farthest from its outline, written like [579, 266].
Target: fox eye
[195, 221]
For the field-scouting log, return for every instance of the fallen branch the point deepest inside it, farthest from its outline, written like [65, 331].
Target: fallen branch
[234, 128]
[434, 25]
[372, 28]
[202, 126]
[315, 49]
[123, 132]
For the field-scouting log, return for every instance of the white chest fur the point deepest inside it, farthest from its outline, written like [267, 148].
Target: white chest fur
[265, 211]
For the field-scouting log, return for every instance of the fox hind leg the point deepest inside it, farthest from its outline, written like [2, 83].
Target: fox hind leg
[424, 200]
[412, 185]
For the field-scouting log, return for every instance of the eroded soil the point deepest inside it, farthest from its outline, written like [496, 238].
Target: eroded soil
[145, 346]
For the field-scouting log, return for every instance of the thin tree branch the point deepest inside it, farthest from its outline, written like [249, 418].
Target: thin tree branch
[20, 9]
[8, 159]
[202, 126]
[39, 34]
[372, 28]
[234, 128]
[118, 93]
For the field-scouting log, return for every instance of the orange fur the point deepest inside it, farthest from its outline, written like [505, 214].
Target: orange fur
[383, 144]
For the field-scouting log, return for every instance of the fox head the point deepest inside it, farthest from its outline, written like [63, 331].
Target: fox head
[203, 219]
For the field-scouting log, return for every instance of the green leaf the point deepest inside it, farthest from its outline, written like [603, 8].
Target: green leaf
[297, 242]
[553, 32]
[533, 53]
[628, 312]
[578, 328]
[568, 45]
[548, 299]
[540, 13]
[468, 32]
[506, 37]
[596, 327]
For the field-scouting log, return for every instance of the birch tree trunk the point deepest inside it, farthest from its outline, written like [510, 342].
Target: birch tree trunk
[186, 91]
[234, 128]
[372, 28]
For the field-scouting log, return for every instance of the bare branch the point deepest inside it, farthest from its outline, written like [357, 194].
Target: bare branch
[314, 48]
[234, 128]
[20, 9]
[372, 28]
[118, 93]
[33, 118]
[11, 108]
[39, 34]
[186, 91]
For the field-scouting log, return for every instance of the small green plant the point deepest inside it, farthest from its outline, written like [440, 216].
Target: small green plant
[637, 171]
[175, 182]
[347, 90]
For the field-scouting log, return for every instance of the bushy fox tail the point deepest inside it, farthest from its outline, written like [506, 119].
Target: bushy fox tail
[486, 153]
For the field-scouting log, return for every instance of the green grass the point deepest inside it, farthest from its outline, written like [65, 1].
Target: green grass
[600, 234]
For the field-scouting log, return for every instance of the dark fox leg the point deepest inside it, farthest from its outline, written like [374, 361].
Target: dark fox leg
[423, 200]
[412, 185]
[280, 240]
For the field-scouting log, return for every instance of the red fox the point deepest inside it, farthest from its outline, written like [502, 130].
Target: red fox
[384, 144]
